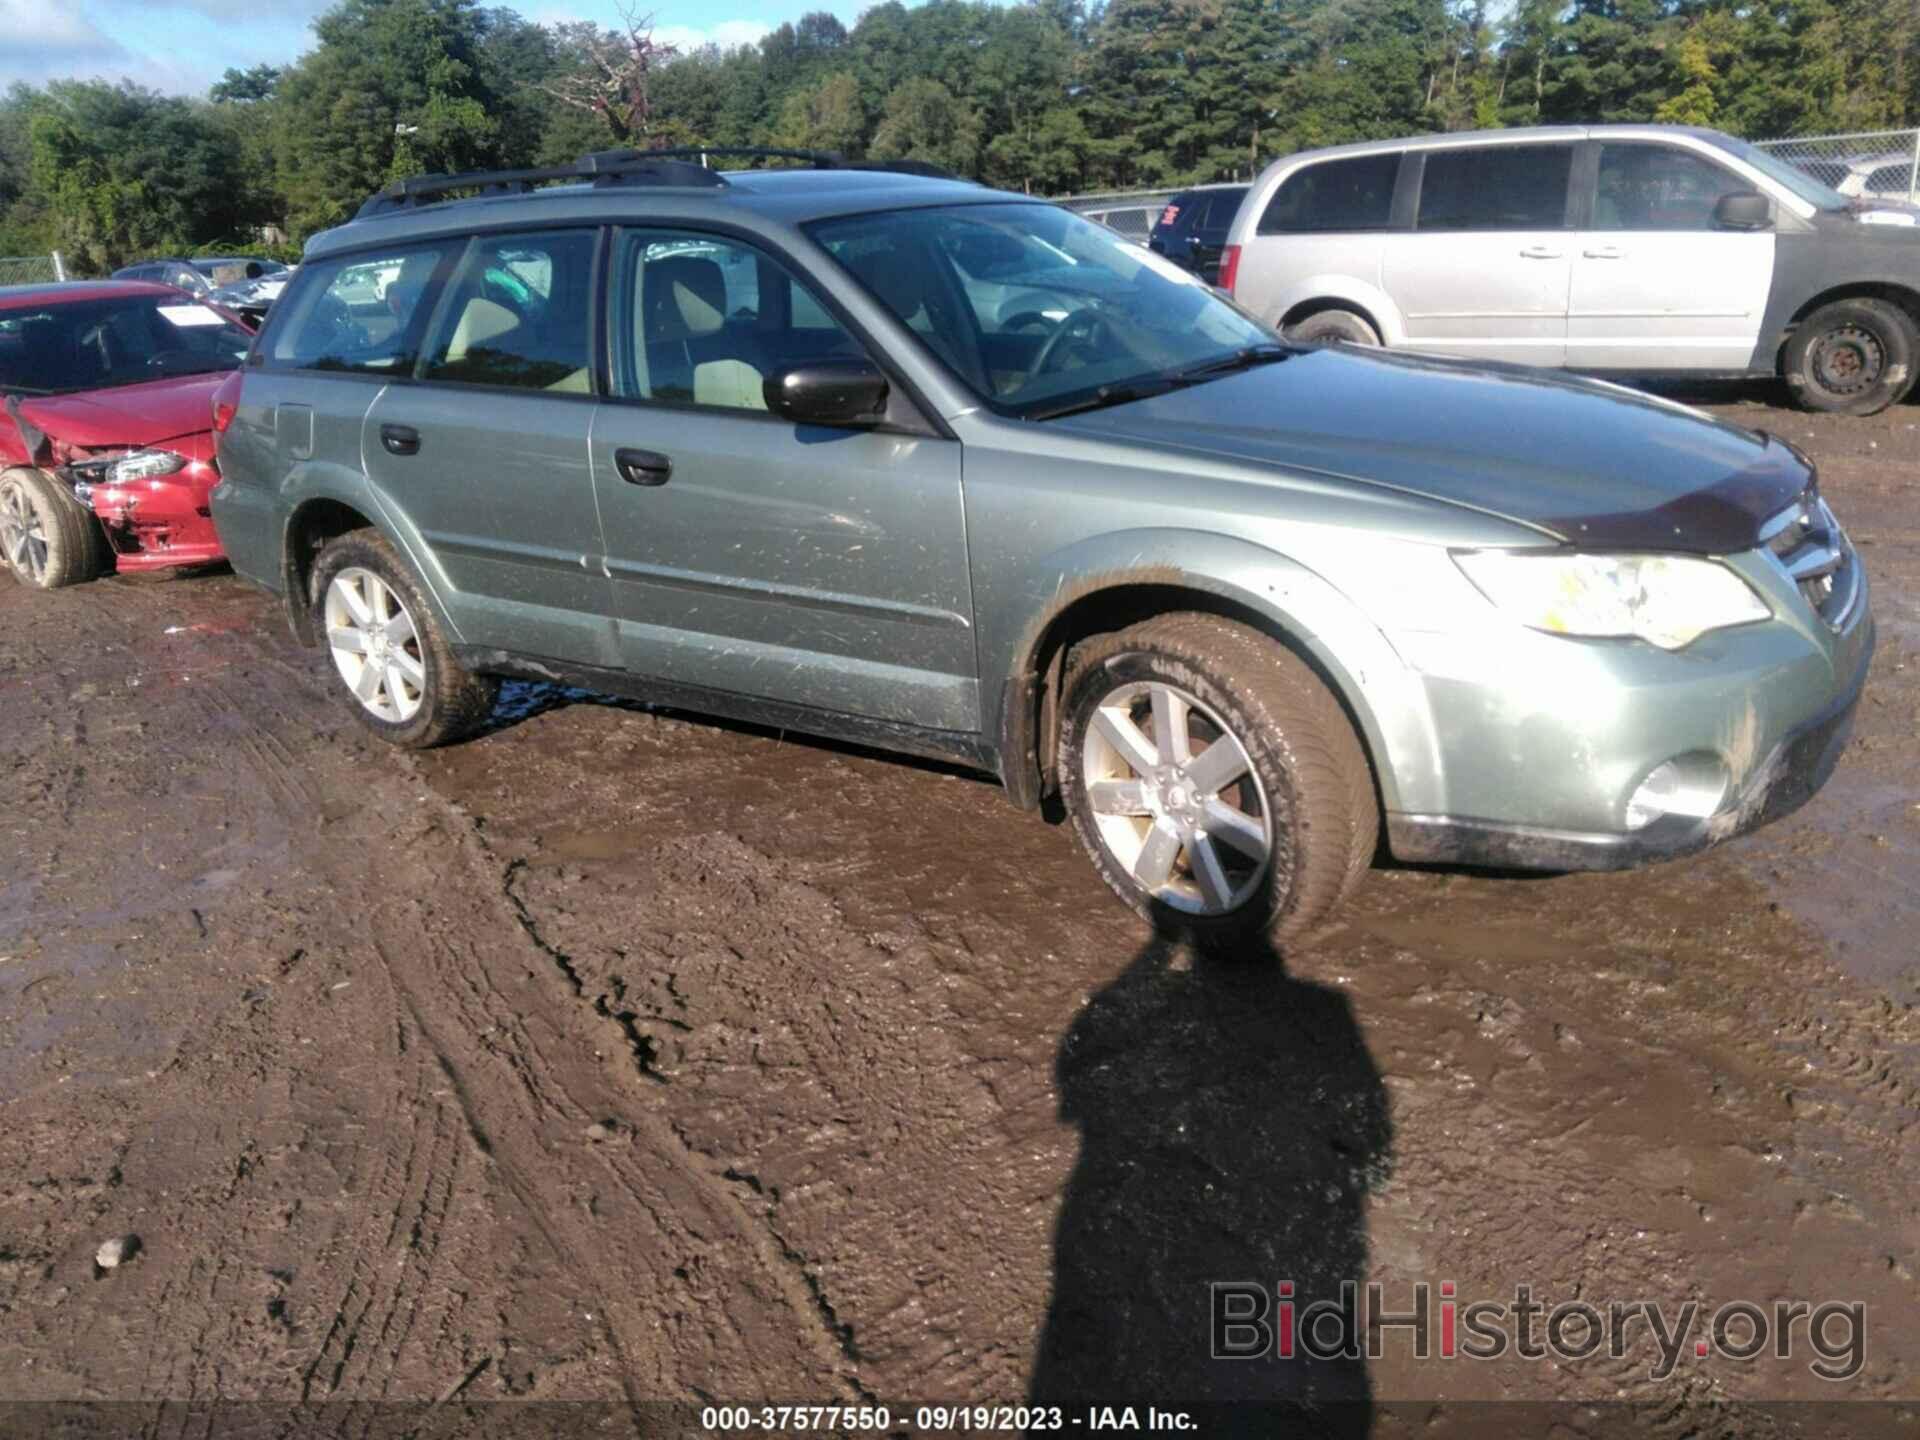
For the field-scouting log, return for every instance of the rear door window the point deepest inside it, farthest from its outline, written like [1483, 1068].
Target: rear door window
[362, 314]
[1334, 195]
[516, 314]
[1498, 187]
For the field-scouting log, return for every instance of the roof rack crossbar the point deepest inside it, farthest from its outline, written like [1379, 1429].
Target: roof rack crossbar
[682, 165]
[606, 167]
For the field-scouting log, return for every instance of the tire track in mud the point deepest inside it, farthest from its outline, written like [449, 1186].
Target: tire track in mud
[687, 1203]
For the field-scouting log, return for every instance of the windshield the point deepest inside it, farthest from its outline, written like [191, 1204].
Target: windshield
[56, 349]
[1778, 170]
[1035, 308]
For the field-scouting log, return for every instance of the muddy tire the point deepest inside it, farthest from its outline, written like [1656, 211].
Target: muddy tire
[49, 539]
[1269, 822]
[1334, 325]
[1854, 357]
[386, 646]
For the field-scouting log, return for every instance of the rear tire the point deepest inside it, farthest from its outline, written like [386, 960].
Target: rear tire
[1273, 849]
[387, 649]
[1336, 324]
[49, 538]
[1853, 357]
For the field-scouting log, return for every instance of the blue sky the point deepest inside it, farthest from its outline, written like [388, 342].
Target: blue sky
[182, 46]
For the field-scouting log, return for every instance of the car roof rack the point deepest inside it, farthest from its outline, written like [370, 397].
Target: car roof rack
[682, 165]
[633, 167]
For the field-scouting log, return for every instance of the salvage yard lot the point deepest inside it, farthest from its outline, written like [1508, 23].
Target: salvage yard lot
[617, 1054]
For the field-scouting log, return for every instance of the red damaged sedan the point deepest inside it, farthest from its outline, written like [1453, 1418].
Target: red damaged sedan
[106, 443]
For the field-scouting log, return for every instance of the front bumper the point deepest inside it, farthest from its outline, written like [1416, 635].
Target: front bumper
[157, 523]
[1792, 772]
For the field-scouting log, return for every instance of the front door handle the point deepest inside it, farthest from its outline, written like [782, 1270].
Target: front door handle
[643, 467]
[1605, 252]
[400, 439]
[1540, 252]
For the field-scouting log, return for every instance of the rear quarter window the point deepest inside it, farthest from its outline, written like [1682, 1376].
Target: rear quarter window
[1334, 195]
[360, 314]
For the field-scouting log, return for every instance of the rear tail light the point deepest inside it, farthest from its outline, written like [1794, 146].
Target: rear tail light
[226, 402]
[1229, 267]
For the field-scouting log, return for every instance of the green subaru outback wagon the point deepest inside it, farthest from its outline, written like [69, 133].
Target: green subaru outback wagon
[885, 456]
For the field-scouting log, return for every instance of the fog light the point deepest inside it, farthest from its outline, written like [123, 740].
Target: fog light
[1687, 785]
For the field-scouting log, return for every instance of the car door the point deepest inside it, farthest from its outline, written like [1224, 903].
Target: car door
[481, 454]
[815, 567]
[1485, 270]
[1657, 284]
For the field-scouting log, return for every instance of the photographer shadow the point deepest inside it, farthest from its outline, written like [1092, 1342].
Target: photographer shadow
[1232, 1123]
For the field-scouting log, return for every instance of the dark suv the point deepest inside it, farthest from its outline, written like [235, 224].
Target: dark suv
[1192, 229]
[954, 472]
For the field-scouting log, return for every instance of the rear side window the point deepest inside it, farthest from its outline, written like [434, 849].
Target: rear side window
[1222, 205]
[1334, 195]
[516, 314]
[1501, 187]
[362, 314]
[1890, 179]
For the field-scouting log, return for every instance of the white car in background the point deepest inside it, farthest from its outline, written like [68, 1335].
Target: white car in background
[1886, 176]
[1635, 250]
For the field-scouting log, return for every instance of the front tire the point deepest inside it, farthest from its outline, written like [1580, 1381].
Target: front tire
[49, 540]
[1854, 357]
[387, 648]
[1214, 780]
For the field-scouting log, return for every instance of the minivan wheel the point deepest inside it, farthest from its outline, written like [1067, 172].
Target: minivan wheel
[48, 539]
[1214, 780]
[1334, 325]
[1854, 357]
[388, 649]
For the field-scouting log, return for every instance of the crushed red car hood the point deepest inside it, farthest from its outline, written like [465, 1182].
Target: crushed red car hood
[127, 415]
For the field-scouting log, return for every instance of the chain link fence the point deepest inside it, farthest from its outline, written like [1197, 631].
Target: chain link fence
[1131, 212]
[1871, 165]
[31, 269]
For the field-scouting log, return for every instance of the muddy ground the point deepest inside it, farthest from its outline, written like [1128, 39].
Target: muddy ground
[619, 1055]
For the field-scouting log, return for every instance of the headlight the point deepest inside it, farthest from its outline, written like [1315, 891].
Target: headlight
[1669, 600]
[144, 465]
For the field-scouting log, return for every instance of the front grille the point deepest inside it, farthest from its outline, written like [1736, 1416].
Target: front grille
[1809, 546]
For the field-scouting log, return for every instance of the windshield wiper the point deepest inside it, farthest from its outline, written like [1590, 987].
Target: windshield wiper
[1243, 359]
[1109, 395]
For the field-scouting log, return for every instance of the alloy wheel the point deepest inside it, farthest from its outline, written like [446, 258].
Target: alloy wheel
[1175, 798]
[375, 645]
[22, 536]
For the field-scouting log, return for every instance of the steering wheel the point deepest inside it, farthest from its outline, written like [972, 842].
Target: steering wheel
[1083, 326]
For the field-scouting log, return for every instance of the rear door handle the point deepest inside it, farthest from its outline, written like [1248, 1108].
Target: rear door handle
[400, 439]
[1605, 252]
[1540, 252]
[643, 467]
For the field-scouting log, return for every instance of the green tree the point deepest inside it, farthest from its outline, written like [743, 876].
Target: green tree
[392, 87]
[826, 115]
[923, 121]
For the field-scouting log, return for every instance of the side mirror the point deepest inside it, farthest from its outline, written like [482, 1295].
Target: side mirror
[845, 393]
[1743, 210]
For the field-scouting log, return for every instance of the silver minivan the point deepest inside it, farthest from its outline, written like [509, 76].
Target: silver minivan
[1634, 249]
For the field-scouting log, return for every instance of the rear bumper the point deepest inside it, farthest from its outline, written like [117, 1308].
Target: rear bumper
[1792, 773]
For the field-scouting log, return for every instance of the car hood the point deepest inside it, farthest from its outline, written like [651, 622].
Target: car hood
[147, 414]
[1583, 461]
